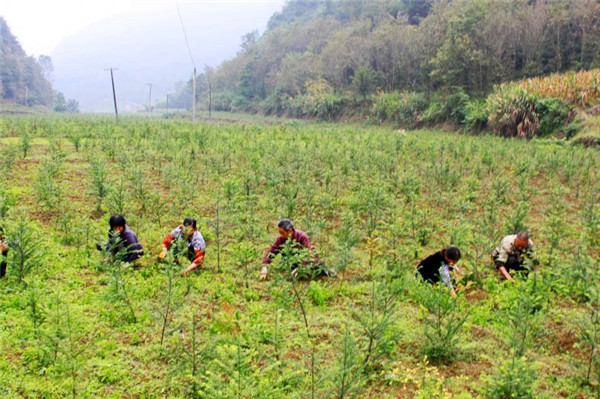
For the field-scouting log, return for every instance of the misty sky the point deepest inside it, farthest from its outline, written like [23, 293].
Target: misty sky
[40, 25]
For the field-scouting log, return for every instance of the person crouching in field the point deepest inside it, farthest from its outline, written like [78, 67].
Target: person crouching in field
[194, 242]
[122, 242]
[511, 255]
[437, 267]
[4, 251]
[300, 240]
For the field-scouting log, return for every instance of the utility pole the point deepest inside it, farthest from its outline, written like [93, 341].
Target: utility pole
[112, 79]
[209, 100]
[194, 96]
[149, 99]
[167, 104]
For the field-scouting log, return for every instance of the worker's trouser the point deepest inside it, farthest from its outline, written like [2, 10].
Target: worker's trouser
[2, 268]
[512, 263]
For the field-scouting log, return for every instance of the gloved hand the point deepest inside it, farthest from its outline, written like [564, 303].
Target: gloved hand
[162, 255]
[263, 273]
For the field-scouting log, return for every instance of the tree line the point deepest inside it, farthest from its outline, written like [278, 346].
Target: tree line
[355, 48]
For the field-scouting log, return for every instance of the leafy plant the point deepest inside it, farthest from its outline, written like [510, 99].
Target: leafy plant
[443, 317]
[26, 249]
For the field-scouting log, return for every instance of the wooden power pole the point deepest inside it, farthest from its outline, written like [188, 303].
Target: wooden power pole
[194, 96]
[149, 99]
[112, 79]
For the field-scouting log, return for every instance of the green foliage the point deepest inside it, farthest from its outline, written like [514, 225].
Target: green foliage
[450, 107]
[373, 200]
[589, 337]
[476, 115]
[515, 112]
[555, 118]
[515, 379]
[419, 46]
[25, 143]
[26, 249]
[101, 183]
[171, 293]
[405, 109]
[318, 293]
[119, 292]
[443, 318]
[376, 325]
[22, 77]
[364, 81]
[347, 376]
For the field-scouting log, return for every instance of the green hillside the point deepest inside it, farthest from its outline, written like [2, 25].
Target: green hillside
[22, 80]
[344, 59]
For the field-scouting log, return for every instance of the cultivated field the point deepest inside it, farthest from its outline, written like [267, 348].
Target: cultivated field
[374, 201]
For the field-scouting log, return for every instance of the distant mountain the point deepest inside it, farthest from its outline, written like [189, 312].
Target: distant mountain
[150, 48]
[22, 78]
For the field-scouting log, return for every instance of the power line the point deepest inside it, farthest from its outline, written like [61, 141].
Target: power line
[185, 34]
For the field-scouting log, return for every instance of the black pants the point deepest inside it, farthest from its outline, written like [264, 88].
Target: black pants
[2, 268]
[512, 263]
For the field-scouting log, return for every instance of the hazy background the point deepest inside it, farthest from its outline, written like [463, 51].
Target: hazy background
[144, 40]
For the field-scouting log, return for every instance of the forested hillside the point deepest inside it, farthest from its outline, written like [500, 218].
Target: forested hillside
[325, 58]
[22, 78]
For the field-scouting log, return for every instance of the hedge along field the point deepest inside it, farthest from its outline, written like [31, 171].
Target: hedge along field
[374, 202]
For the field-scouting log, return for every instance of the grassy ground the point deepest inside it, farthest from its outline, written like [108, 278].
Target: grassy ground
[373, 201]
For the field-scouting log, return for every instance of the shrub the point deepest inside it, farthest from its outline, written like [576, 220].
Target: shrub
[404, 108]
[555, 117]
[513, 112]
[328, 106]
[443, 317]
[275, 104]
[515, 379]
[476, 115]
[450, 107]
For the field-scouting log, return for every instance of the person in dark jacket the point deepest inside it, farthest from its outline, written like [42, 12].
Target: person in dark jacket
[4, 252]
[437, 267]
[194, 242]
[288, 232]
[122, 242]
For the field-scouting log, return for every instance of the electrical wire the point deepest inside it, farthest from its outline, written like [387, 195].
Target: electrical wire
[185, 34]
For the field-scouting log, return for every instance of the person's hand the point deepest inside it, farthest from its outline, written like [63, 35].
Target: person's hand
[3, 247]
[162, 255]
[187, 271]
[263, 273]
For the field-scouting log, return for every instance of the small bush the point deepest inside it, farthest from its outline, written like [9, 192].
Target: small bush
[450, 107]
[476, 115]
[555, 117]
[406, 108]
[318, 294]
[514, 379]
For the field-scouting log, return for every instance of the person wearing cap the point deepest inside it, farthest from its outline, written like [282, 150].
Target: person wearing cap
[437, 267]
[287, 232]
[511, 255]
[194, 241]
[4, 252]
[122, 241]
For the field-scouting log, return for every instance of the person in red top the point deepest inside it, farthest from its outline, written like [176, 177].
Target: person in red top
[4, 252]
[286, 231]
[194, 242]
